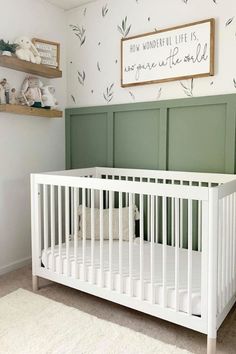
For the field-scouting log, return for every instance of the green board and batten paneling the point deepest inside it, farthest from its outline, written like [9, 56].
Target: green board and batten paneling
[193, 134]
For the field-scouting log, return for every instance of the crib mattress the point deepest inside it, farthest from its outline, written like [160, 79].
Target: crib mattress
[53, 262]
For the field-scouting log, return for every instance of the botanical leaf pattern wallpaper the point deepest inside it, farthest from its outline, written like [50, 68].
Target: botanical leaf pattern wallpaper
[94, 34]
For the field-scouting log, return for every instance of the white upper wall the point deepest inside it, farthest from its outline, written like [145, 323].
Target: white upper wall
[27, 144]
[69, 4]
[98, 59]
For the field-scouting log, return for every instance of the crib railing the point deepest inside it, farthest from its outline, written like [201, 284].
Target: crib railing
[173, 213]
[226, 250]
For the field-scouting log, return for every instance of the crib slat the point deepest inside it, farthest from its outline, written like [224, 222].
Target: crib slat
[228, 271]
[110, 240]
[204, 259]
[127, 195]
[120, 244]
[101, 240]
[52, 211]
[141, 224]
[172, 221]
[89, 197]
[131, 233]
[60, 229]
[45, 220]
[164, 245]
[76, 232]
[148, 218]
[199, 225]
[84, 232]
[234, 243]
[67, 229]
[72, 209]
[152, 259]
[190, 248]
[181, 220]
[177, 244]
[92, 235]
[230, 246]
[227, 275]
[220, 241]
[157, 218]
[38, 222]
[224, 255]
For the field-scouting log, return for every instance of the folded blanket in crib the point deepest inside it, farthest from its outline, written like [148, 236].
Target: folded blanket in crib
[115, 223]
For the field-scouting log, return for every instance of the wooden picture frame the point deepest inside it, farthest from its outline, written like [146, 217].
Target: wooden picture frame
[46, 48]
[153, 58]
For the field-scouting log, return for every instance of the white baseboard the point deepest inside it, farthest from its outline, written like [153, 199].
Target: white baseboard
[15, 265]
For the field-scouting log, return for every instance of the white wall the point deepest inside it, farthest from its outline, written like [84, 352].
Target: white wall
[27, 144]
[102, 48]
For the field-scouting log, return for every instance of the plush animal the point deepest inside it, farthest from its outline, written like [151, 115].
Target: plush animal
[48, 97]
[26, 50]
[31, 92]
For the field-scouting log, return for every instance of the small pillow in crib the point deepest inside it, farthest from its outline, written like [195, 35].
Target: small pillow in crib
[115, 223]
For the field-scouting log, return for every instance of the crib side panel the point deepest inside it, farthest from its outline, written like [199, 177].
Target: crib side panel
[113, 238]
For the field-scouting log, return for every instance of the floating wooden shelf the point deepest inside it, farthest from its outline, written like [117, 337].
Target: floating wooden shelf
[30, 111]
[30, 68]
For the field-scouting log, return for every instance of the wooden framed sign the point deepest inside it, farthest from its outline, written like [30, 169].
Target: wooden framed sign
[48, 51]
[175, 53]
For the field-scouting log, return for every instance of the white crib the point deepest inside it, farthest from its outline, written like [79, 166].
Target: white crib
[180, 267]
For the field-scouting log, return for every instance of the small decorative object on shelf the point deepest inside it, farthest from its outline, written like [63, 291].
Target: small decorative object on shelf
[48, 51]
[7, 48]
[5, 91]
[49, 100]
[2, 95]
[35, 94]
[13, 97]
[26, 50]
[31, 94]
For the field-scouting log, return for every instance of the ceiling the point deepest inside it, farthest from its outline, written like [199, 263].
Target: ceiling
[69, 4]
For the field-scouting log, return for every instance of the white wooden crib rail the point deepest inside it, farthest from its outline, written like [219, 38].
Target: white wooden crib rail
[225, 262]
[169, 205]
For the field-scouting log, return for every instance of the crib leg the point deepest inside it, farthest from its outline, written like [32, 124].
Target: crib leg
[211, 345]
[35, 283]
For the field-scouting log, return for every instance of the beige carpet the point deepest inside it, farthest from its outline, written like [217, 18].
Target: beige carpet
[31, 324]
[152, 327]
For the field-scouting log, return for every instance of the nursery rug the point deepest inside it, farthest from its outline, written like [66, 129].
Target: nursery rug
[33, 324]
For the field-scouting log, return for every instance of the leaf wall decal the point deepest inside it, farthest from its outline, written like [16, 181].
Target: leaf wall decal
[79, 32]
[188, 89]
[124, 29]
[73, 98]
[109, 94]
[132, 95]
[98, 66]
[159, 93]
[230, 20]
[104, 10]
[81, 77]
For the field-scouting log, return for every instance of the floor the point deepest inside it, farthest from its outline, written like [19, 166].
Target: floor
[181, 337]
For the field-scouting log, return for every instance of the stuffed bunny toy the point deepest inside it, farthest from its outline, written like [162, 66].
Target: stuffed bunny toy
[48, 98]
[31, 92]
[26, 50]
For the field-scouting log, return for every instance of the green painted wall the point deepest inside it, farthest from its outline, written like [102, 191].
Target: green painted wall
[193, 134]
